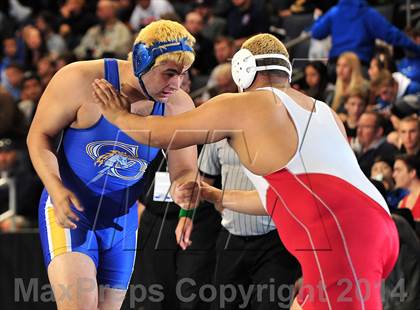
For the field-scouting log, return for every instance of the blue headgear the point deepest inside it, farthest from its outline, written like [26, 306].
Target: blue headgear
[144, 57]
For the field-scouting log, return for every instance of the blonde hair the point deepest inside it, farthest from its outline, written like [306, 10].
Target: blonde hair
[165, 31]
[265, 43]
[356, 79]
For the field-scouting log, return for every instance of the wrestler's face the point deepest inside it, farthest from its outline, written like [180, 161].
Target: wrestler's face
[409, 134]
[402, 175]
[164, 80]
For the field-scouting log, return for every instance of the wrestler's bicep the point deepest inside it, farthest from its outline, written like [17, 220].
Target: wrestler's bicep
[211, 122]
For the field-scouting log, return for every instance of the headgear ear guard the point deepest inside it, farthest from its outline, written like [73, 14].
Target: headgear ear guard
[144, 57]
[244, 67]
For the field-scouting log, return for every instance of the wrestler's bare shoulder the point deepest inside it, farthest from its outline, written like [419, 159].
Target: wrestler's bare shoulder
[178, 103]
[78, 74]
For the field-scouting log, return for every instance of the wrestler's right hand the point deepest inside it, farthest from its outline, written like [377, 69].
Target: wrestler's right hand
[62, 199]
[212, 195]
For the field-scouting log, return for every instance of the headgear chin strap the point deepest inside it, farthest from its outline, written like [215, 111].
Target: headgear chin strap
[144, 57]
[244, 67]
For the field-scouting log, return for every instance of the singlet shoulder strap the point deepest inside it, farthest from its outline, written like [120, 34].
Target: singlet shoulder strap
[111, 72]
[158, 108]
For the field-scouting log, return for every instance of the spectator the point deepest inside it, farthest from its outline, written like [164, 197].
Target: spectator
[15, 167]
[220, 82]
[224, 48]
[47, 24]
[349, 76]
[354, 26]
[75, 20]
[382, 171]
[14, 160]
[12, 80]
[214, 25]
[31, 93]
[409, 134]
[45, 70]
[385, 91]
[35, 46]
[407, 175]
[125, 8]
[111, 38]
[147, 11]
[410, 65]
[245, 18]
[370, 136]
[10, 54]
[12, 125]
[316, 82]
[383, 62]
[355, 105]
[204, 60]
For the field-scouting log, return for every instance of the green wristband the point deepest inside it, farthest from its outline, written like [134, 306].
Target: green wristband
[186, 213]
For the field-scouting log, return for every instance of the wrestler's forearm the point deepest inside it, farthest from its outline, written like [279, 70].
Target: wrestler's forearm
[247, 202]
[184, 176]
[44, 160]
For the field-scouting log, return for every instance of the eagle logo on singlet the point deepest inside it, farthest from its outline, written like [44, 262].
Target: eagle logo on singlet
[116, 159]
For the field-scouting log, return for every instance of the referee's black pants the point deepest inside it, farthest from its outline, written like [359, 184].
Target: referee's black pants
[258, 270]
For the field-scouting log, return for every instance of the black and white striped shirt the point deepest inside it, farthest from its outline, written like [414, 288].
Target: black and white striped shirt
[220, 159]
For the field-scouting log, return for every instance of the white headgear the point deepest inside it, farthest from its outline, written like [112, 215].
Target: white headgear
[244, 67]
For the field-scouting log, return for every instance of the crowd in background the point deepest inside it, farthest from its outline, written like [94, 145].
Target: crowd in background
[369, 76]
[374, 88]
[368, 71]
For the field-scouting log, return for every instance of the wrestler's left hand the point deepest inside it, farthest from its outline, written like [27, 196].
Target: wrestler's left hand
[183, 232]
[112, 104]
